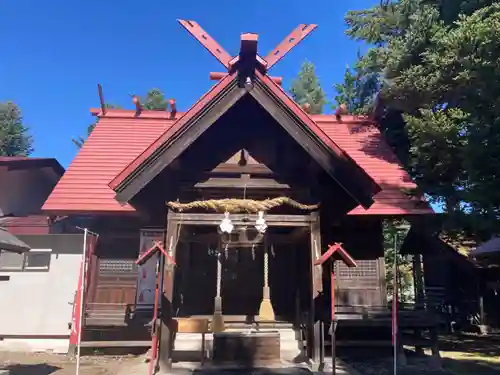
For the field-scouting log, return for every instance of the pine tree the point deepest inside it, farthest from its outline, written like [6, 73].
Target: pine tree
[78, 142]
[436, 61]
[14, 137]
[358, 90]
[306, 88]
[155, 100]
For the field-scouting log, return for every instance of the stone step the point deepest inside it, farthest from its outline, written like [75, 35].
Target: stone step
[191, 342]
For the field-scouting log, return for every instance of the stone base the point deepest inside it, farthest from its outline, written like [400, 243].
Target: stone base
[187, 346]
[246, 348]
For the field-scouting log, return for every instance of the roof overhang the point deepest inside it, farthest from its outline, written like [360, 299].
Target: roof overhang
[354, 180]
[9, 242]
[489, 248]
[20, 163]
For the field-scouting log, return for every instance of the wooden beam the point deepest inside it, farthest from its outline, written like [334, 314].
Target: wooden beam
[166, 335]
[252, 169]
[316, 349]
[217, 76]
[248, 45]
[336, 249]
[207, 41]
[101, 99]
[297, 234]
[129, 113]
[240, 219]
[248, 60]
[338, 165]
[294, 38]
[203, 120]
[239, 183]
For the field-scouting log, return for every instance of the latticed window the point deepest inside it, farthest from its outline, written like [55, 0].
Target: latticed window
[366, 269]
[117, 266]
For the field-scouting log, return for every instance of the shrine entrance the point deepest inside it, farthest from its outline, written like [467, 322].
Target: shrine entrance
[242, 273]
[255, 286]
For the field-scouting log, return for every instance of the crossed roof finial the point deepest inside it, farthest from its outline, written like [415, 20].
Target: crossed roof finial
[248, 46]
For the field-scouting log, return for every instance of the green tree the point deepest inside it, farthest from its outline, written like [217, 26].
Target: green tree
[436, 61]
[78, 142]
[394, 232]
[306, 88]
[358, 90]
[153, 100]
[14, 137]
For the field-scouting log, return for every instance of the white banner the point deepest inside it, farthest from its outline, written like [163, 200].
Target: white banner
[146, 273]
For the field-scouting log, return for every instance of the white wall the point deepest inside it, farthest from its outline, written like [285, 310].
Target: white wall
[39, 303]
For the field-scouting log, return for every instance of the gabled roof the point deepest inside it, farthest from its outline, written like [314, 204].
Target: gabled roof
[488, 248]
[120, 137]
[9, 242]
[361, 139]
[214, 105]
[128, 149]
[23, 162]
[33, 224]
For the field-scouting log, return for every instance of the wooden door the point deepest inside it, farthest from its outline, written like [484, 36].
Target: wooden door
[242, 281]
[195, 279]
[284, 281]
[112, 282]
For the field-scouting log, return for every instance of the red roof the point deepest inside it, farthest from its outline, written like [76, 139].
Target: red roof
[123, 141]
[170, 131]
[362, 140]
[120, 137]
[33, 224]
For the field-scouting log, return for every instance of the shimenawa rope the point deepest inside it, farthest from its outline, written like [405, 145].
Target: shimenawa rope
[235, 205]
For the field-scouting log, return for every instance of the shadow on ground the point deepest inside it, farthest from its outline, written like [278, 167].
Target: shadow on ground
[31, 369]
[460, 355]
[257, 370]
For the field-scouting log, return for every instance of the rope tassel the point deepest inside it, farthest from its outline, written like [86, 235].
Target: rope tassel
[217, 324]
[266, 311]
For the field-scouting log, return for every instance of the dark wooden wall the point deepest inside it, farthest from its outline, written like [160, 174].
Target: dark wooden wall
[362, 238]
[213, 167]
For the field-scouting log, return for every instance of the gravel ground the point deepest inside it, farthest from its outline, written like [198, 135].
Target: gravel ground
[46, 364]
[461, 355]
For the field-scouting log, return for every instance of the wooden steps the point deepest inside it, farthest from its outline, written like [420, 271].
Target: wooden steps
[119, 316]
[116, 344]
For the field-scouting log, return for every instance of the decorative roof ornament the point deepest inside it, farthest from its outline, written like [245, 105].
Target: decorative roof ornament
[341, 110]
[260, 223]
[248, 56]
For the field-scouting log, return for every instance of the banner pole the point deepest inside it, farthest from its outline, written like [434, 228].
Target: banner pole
[82, 289]
[395, 303]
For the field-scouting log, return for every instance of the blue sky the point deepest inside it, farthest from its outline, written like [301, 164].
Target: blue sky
[56, 51]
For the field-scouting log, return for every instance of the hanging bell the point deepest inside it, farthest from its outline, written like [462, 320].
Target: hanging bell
[260, 223]
[226, 226]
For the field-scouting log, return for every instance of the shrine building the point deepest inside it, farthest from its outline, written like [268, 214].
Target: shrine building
[242, 195]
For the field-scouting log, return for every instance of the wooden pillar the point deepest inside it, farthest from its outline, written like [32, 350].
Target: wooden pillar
[167, 333]
[418, 280]
[314, 325]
